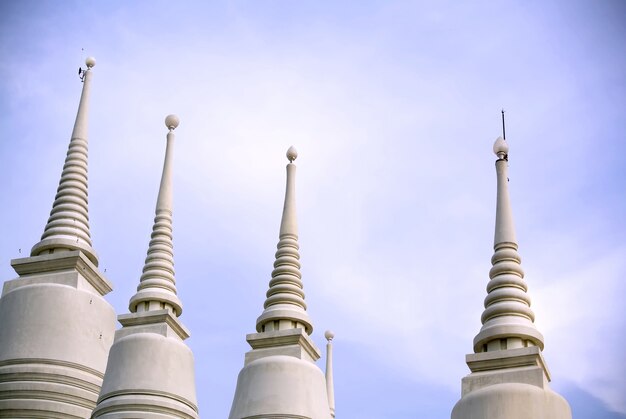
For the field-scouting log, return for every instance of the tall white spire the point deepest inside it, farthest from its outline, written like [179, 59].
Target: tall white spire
[285, 307]
[157, 287]
[68, 225]
[509, 377]
[508, 318]
[280, 378]
[150, 370]
[55, 326]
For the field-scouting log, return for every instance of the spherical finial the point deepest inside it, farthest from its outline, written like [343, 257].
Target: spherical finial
[90, 61]
[292, 154]
[329, 335]
[171, 122]
[501, 148]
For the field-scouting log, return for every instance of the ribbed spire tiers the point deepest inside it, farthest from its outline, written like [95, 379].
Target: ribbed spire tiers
[507, 319]
[509, 376]
[285, 307]
[55, 326]
[68, 225]
[150, 371]
[157, 287]
[280, 378]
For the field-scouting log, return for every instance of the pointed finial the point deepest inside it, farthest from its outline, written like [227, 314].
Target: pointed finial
[157, 286]
[292, 154]
[90, 62]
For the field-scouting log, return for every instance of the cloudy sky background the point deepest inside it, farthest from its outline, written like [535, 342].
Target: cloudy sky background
[393, 107]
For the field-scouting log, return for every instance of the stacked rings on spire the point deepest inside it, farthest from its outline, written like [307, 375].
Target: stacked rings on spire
[507, 288]
[69, 216]
[286, 282]
[159, 264]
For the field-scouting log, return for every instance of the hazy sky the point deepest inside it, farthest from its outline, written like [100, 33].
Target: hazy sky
[393, 107]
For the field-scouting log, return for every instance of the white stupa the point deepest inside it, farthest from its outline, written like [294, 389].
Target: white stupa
[55, 327]
[150, 373]
[509, 376]
[280, 378]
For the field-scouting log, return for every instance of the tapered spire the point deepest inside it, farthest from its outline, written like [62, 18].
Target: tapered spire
[157, 286]
[508, 318]
[285, 307]
[68, 225]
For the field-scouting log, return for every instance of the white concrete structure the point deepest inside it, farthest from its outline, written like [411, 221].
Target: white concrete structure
[55, 327]
[509, 377]
[280, 378]
[150, 373]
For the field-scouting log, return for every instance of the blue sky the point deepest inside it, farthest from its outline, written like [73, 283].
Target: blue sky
[393, 107]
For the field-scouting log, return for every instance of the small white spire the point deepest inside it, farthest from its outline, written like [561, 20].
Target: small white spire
[285, 307]
[330, 387]
[508, 321]
[157, 286]
[68, 225]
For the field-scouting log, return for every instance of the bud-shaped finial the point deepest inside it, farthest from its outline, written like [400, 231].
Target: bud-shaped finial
[501, 148]
[329, 335]
[171, 122]
[292, 154]
[90, 62]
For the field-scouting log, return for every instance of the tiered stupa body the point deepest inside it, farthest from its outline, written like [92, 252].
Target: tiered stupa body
[55, 326]
[150, 373]
[280, 378]
[509, 377]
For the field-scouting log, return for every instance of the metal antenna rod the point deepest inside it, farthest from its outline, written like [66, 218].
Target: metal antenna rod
[503, 130]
